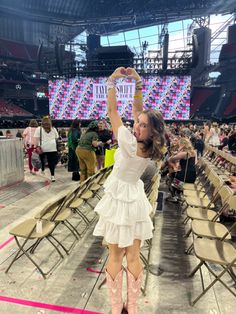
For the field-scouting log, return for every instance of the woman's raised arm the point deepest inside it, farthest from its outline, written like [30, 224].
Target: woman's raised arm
[138, 95]
[113, 113]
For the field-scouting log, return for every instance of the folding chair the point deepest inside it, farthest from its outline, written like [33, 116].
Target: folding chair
[88, 190]
[146, 258]
[82, 198]
[205, 202]
[151, 183]
[199, 191]
[28, 230]
[96, 184]
[60, 215]
[107, 173]
[207, 213]
[217, 252]
[213, 229]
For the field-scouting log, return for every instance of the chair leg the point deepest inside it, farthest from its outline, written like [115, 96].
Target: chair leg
[217, 278]
[35, 246]
[187, 234]
[189, 249]
[61, 245]
[85, 219]
[27, 255]
[184, 209]
[186, 220]
[147, 268]
[16, 256]
[72, 229]
[25, 252]
[56, 248]
[231, 273]
[102, 283]
[195, 269]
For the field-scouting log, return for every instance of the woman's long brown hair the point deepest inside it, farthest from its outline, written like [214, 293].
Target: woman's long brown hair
[154, 145]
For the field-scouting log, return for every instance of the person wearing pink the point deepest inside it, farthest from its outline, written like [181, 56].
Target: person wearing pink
[29, 144]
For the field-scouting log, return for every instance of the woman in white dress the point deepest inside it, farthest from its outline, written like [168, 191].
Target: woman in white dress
[124, 210]
[214, 137]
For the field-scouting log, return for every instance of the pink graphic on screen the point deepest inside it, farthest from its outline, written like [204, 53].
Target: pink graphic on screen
[85, 98]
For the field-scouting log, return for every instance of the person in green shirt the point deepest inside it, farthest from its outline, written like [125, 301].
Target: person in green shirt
[85, 151]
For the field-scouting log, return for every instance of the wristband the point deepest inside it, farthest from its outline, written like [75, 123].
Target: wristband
[138, 96]
[111, 83]
[138, 85]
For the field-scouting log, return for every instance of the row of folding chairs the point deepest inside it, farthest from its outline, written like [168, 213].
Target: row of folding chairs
[226, 155]
[203, 203]
[74, 203]
[224, 160]
[145, 253]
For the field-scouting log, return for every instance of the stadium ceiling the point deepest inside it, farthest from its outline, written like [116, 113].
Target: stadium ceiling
[111, 16]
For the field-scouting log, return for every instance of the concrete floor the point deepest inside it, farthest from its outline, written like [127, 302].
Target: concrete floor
[73, 285]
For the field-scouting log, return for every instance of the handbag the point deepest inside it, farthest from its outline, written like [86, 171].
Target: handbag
[36, 161]
[178, 184]
[109, 157]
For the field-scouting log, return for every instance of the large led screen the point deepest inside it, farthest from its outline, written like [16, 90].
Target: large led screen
[85, 98]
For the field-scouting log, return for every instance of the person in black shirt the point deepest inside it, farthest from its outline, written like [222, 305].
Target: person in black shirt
[105, 137]
[232, 142]
[73, 140]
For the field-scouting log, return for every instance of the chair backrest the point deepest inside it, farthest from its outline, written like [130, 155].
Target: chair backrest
[232, 202]
[215, 180]
[207, 170]
[232, 159]
[225, 194]
[64, 204]
[50, 207]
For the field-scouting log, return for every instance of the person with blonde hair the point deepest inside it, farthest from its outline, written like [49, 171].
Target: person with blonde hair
[187, 158]
[28, 139]
[124, 210]
[214, 137]
[46, 137]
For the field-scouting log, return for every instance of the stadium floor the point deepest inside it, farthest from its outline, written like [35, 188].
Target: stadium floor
[73, 286]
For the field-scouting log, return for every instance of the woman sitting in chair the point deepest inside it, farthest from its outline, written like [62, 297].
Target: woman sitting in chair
[187, 159]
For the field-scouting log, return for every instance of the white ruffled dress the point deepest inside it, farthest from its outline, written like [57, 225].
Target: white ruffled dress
[124, 209]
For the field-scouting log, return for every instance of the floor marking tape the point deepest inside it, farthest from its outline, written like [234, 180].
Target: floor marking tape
[94, 270]
[6, 242]
[47, 306]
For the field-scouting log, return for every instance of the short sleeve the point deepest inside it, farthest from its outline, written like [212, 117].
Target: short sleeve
[95, 136]
[56, 133]
[25, 133]
[127, 142]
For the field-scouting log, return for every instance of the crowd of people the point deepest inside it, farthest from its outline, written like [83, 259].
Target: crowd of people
[86, 147]
[186, 145]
